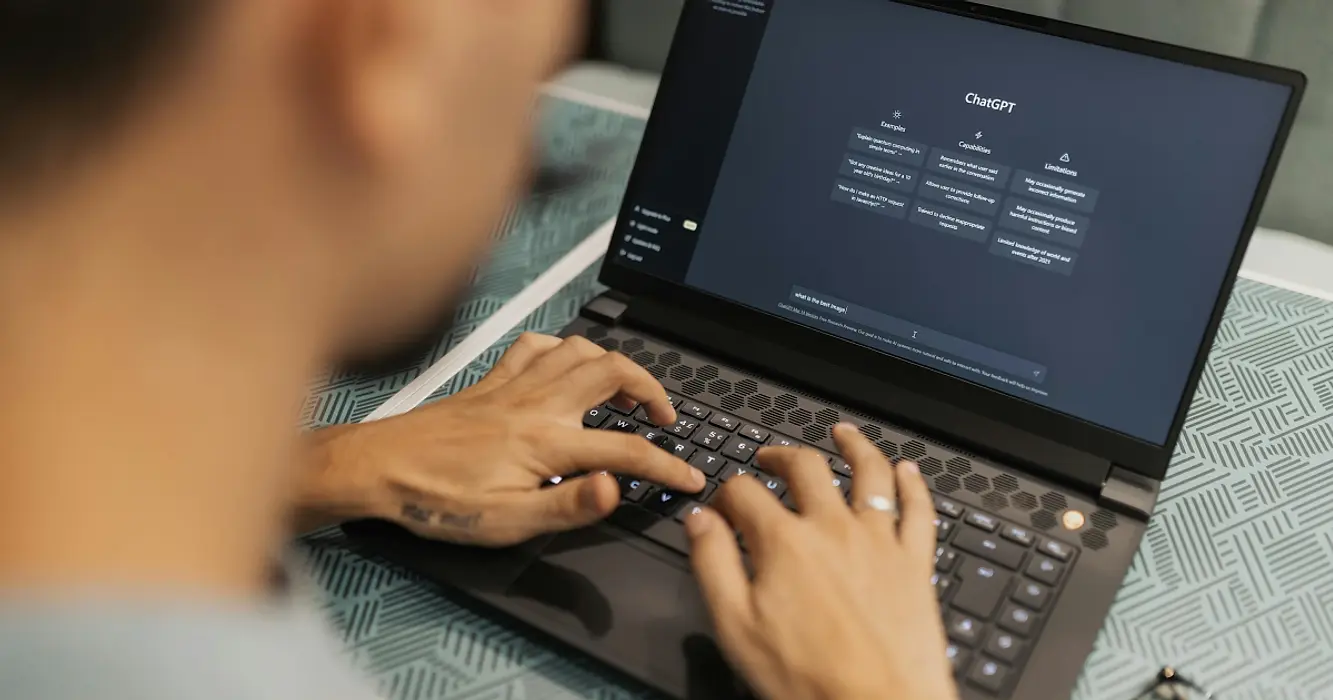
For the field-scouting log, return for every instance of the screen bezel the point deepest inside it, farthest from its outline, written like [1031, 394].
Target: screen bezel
[1135, 454]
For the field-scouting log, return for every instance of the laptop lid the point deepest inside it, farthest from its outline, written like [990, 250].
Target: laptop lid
[1038, 221]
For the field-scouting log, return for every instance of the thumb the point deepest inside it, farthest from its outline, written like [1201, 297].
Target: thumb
[573, 504]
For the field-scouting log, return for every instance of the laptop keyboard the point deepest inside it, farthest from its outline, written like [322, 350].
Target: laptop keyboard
[996, 581]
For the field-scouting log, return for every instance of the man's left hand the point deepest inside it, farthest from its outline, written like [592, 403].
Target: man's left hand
[471, 468]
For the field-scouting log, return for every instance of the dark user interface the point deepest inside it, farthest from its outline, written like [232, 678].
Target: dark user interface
[1043, 217]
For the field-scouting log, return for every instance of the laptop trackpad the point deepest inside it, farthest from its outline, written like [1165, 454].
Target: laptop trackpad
[626, 606]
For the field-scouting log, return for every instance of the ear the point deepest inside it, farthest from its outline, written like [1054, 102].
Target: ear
[365, 68]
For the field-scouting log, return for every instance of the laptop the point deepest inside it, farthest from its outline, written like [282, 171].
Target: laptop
[999, 244]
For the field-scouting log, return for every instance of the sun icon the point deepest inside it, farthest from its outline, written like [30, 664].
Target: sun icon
[897, 115]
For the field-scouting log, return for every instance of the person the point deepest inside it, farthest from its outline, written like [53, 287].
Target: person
[205, 203]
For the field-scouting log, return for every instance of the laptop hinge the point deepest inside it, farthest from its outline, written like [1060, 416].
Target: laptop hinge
[1130, 494]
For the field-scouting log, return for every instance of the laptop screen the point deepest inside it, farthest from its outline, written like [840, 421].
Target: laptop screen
[1044, 217]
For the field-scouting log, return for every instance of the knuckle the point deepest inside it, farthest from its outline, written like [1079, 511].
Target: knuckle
[584, 347]
[622, 366]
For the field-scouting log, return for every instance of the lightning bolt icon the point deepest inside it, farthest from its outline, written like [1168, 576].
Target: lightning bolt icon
[979, 135]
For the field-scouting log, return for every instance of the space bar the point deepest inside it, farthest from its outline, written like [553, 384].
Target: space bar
[664, 531]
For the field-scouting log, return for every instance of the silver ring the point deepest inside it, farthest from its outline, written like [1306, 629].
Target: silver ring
[883, 504]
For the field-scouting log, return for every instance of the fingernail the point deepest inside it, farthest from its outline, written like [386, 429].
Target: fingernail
[698, 523]
[910, 467]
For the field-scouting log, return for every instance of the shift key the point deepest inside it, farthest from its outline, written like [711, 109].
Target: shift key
[982, 589]
[989, 546]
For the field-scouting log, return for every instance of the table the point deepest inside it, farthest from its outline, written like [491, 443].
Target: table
[1233, 583]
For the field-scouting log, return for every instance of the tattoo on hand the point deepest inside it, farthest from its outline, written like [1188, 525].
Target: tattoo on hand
[454, 521]
[416, 513]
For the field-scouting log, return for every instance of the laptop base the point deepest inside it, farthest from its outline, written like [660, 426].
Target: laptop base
[624, 595]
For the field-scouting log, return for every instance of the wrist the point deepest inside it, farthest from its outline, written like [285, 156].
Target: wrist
[339, 483]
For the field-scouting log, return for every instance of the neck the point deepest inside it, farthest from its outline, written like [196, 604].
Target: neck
[148, 431]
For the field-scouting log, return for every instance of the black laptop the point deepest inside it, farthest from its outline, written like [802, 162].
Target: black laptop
[1000, 244]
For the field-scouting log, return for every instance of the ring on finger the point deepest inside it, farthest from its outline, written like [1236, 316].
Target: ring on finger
[881, 504]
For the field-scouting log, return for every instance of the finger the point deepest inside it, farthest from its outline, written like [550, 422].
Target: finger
[613, 374]
[716, 559]
[809, 480]
[575, 503]
[620, 453]
[754, 512]
[916, 529]
[872, 478]
[526, 350]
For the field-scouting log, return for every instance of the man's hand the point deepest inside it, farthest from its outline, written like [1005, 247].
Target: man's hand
[471, 468]
[840, 604]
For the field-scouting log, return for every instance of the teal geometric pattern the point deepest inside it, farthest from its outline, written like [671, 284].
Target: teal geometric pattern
[1234, 581]
[1233, 584]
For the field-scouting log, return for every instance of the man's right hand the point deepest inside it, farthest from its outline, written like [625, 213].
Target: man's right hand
[840, 606]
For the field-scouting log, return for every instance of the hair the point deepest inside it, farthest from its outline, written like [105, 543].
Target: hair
[71, 69]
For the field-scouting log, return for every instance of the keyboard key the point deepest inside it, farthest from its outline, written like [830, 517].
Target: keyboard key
[957, 656]
[687, 509]
[683, 450]
[663, 502]
[724, 422]
[943, 584]
[1004, 646]
[783, 441]
[633, 490]
[840, 466]
[684, 428]
[755, 433]
[693, 409]
[1033, 595]
[594, 418]
[641, 415]
[623, 411]
[963, 629]
[1018, 620]
[988, 674]
[708, 463]
[657, 436]
[981, 520]
[944, 506]
[739, 450]
[982, 589]
[1045, 570]
[990, 547]
[943, 528]
[774, 484]
[1058, 550]
[1014, 533]
[843, 484]
[622, 425]
[945, 560]
[736, 470]
[711, 439]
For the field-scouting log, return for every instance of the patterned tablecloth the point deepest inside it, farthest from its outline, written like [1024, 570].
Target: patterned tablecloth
[1233, 584]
